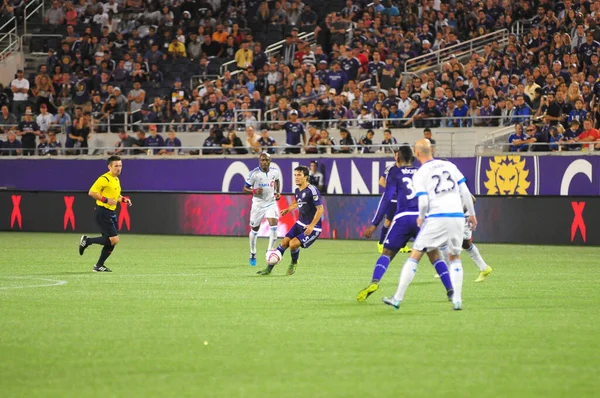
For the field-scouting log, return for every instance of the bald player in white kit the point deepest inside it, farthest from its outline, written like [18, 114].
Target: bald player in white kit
[442, 192]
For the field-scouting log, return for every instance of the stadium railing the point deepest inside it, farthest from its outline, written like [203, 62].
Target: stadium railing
[31, 9]
[458, 50]
[378, 123]
[9, 39]
[557, 148]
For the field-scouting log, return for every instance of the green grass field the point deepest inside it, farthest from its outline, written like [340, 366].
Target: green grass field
[187, 317]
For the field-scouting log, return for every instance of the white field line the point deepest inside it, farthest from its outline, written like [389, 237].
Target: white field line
[54, 282]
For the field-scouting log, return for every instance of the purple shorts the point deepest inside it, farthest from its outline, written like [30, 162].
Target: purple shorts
[403, 228]
[297, 231]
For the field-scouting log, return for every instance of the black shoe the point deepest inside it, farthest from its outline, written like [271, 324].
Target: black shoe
[450, 294]
[101, 268]
[83, 244]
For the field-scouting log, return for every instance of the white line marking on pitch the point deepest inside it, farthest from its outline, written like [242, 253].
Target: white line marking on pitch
[55, 282]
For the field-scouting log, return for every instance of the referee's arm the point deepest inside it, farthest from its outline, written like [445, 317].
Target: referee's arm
[98, 196]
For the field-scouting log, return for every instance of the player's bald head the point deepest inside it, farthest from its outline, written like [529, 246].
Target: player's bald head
[423, 147]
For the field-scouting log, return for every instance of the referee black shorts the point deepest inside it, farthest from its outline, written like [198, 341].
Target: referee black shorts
[107, 221]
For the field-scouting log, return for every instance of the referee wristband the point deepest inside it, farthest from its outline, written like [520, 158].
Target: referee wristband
[254, 191]
[104, 200]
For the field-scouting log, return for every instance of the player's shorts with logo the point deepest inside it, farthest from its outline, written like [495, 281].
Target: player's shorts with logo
[439, 231]
[403, 228]
[259, 212]
[297, 231]
[107, 221]
[468, 234]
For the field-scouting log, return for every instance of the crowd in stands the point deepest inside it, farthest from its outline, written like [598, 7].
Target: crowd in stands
[123, 62]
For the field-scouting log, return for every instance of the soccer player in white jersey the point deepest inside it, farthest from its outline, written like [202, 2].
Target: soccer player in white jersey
[442, 192]
[264, 184]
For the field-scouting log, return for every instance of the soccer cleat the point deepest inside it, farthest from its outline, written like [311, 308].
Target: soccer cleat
[484, 274]
[101, 268]
[265, 271]
[366, 292]
[457, 306]
[82, 244]
[450, 294]
[436, 276]
[405, 249]
[252, 260]
[391, 302]
[292, 268]
[380, 247]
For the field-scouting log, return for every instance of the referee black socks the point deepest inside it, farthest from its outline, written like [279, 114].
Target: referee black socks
[101, 240]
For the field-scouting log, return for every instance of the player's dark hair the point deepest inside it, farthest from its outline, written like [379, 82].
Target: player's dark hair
[303, 169]
[113, 158]
[406, 154]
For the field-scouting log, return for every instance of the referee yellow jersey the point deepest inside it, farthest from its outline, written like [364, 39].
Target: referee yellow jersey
[109, 187]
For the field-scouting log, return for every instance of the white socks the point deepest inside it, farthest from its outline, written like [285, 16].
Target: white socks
[253, 236]
[273, 238]
[456, 277]
[406, 276]
[476, 257]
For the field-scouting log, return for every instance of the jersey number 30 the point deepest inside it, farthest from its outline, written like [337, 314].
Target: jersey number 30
[444, 183]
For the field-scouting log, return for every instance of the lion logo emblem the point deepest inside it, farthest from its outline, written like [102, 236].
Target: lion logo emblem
[507, 175]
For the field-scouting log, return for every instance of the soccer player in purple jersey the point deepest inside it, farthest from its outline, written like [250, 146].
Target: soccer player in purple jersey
[308, 227]
[404, 225]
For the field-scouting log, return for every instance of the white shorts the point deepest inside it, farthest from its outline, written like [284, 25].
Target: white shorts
[259, 212]
[468, 234]
[440, 231]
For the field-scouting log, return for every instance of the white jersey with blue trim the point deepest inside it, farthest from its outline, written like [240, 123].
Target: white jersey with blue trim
[258, 178]
[439, 180]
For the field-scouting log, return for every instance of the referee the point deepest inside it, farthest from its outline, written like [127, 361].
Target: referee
[107, 192]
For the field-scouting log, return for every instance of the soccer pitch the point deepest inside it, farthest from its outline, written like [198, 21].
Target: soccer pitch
[188, 317]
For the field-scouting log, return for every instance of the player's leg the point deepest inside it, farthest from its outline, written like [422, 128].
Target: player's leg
[300, 241]
[399, 233]
[455, 231]
[283, 246]
[256, 216]
[484, 269]
[441, 268]
[273, 218]
[384, 231]
[85, 241]
[429, 238]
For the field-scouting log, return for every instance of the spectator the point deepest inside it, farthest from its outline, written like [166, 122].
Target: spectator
[427, 135]
[313, 137]
[140, 142]
[294, 132]
[44, 119]
[12, 147]
[20, 89]
[28, 130]
[389, 143]
[79, 134]
[366, 141]
[7, 119]
[244, 56]
[347, 144]
[590, 136]
[267, 142]
[54, 145]
[252, 140]
[233, 144]
[176, 49]
[212, 144]
[518, 136]
[155, 140]
[173, 145]
[555, 138]
[315, 177]
[42, 148]
[55, 15]
[136, 98]
[535, 136]
[325, 143]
